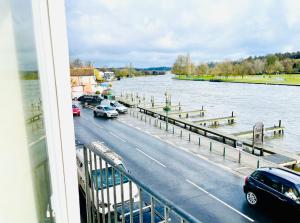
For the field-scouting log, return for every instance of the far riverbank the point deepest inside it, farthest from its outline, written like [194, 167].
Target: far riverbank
[278, 79]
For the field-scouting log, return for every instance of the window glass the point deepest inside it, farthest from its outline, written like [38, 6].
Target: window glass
[96, 174]
[32, 104]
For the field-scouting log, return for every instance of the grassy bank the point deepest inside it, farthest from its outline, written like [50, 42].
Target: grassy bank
[280, 79]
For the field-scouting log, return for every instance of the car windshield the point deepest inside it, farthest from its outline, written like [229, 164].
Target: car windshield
[117, 104]
[96, 175]
[74, 106]
[298, 188]
[107, 109]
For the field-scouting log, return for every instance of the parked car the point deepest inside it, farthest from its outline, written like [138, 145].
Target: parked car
[90, 99]
[105, 111]
[76, 110]
[118, 107]
[276, 186]
[111, 183]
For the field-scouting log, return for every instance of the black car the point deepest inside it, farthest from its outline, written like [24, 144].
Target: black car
[272, 185]
[90, 99]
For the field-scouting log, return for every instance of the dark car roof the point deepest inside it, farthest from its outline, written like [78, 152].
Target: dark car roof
[283, 173]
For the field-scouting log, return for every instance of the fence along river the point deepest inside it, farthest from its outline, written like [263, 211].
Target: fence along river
[251, 103]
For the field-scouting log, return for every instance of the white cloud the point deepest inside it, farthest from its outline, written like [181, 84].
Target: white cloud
[153, 32]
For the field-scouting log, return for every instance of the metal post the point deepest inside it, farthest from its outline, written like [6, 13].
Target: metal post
[97, 187]
[92, 186]
[122, 198]
[210, 146]
[102, 193]
[152, 210]
[115, 196]
[224, 151]
[240, 156]
[107, 193]
[189, 137]
[140, 205]
[180, 133]
[130, 202]
[160, 125]
[87, 189]
[166, 214]
[199, 141]
[173, 130]
[257, 163]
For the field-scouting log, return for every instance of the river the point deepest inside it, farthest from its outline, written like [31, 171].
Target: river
[251, 103]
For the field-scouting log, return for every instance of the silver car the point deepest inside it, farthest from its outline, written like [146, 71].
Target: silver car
[118, 107]
[105, 111]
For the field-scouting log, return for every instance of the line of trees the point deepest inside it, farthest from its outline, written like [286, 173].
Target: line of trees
[271, 64]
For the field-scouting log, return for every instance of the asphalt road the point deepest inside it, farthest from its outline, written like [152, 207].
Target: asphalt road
[202, 189]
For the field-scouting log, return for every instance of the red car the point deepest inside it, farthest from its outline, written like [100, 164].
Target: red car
[76, 110]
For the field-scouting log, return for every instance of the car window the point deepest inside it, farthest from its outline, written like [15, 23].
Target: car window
[261, 178]
[276, 185]
[96, 175]
[74, 106]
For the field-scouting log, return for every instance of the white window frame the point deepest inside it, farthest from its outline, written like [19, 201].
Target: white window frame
[53, 65]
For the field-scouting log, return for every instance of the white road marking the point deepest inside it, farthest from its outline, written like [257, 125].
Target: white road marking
[224, 203]
[117, 136]
[150, 157]
[37, 141]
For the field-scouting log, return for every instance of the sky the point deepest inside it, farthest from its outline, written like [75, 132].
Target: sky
[146, 33]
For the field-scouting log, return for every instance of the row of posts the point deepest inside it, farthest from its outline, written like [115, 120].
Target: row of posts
[158, 124]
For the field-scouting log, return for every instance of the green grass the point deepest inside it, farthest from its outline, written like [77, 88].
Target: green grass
[29, 75]
[284, 79]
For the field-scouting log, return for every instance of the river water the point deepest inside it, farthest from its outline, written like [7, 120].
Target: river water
[251, 103]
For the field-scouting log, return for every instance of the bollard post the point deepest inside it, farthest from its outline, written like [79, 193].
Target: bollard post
[149, 121]
[257, 163]
[189, 137]
[173, 130]
[224, 151]
[180, 133]
[145, 118]
[199, 141]
[210, 146]
[240, 156]
[160, 125]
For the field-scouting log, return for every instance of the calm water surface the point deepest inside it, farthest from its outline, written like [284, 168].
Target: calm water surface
[251, 103]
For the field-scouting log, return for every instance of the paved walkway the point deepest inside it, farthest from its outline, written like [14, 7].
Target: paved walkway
[208, 149]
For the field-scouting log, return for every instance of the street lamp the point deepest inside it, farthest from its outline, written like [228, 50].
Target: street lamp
[167, 107]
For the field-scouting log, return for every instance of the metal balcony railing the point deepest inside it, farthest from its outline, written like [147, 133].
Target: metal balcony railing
[110, 194]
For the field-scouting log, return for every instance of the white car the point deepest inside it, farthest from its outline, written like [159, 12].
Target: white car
[96, 173]
[105, 111]
[118, 107]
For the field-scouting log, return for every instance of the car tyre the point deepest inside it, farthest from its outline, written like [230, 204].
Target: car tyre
[252, 198]
[95, 114]
[105, 115]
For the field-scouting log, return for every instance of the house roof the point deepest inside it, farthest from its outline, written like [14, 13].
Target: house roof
[75, 72]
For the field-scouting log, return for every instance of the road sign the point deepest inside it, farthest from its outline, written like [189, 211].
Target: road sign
[258, 133]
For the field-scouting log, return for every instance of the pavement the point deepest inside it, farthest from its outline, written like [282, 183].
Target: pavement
[204, 184]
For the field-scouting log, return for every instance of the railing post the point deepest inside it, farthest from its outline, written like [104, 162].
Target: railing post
[87, 189]
[152, 210]
[140, 205]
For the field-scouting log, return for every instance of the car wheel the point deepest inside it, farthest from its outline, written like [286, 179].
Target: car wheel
[105, 115]
[252, 198]
[95, 114]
